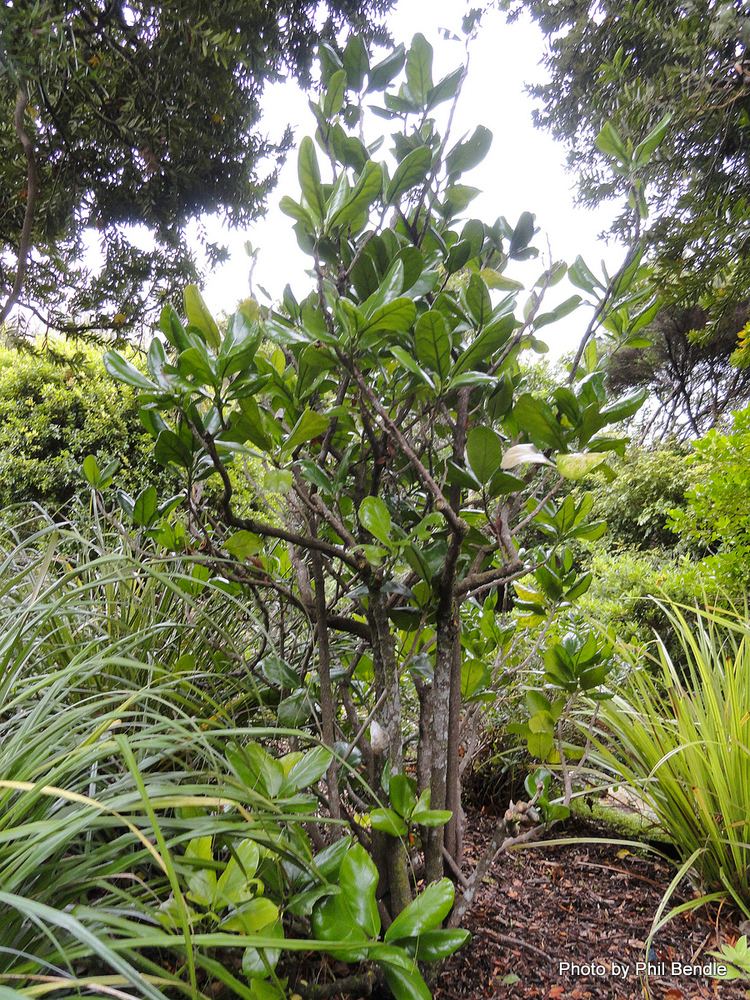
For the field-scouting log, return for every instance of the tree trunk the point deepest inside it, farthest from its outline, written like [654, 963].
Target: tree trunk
[389, 753]
[447, 634]
[454, 829]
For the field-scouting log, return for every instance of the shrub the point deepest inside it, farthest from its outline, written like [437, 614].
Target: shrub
[716, 516]
[680, 735]
[637, 504]
[56, 407]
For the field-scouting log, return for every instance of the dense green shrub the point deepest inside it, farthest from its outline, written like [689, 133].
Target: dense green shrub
[56, 407]
[717, 516]
[636, 504]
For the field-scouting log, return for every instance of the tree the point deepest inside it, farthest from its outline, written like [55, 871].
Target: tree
[694, 377]
[390, 410]
[137, 114]
[632, 65]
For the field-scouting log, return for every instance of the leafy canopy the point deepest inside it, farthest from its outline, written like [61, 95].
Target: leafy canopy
[137, 114]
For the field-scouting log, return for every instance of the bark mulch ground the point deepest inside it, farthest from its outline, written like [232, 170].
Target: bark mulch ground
[584, 904]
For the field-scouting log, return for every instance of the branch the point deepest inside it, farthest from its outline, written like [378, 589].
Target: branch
[458, 526]
[32, 191]
[261, 527]
[500, 574]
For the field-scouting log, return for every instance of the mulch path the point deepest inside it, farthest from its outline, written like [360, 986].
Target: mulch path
[582, 904]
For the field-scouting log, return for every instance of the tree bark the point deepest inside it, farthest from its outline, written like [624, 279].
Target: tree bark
[389, 754]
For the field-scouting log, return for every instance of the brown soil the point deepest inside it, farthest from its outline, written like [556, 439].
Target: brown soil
[585, 903]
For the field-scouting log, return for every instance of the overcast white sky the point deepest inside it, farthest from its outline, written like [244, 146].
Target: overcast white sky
[523, 171]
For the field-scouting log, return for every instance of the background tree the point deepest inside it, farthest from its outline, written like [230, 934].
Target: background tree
[138, 114]
[632, 64]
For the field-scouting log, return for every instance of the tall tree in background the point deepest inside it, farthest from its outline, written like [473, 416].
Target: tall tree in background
[116, 114]
[631, 64]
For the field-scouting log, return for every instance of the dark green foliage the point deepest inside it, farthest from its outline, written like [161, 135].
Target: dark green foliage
[692, 369]
[54, 411]
[139, 114]
[631, 64]
[637, 502]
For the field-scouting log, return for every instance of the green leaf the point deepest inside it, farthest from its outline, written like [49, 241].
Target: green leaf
[406, 984]
[171, 449]
[643, 151]
[308, 172]
[522, 235]
[458, 256]
[296, 211]
[310, 425]
[397, 315]
[484, 451]
[234, 885]
[334, 95]
[145, 507]
[388, 821]
[537, 419]
[577, 465]
[425, 913]
[123, 371]
[403, 793]
[432, 343]
[198, 316]
[467, 154]
[356, 61]
[411, 170]
[478, 300]
[243, 544]
[309, 770]
[494, 279]
[382, 73]
[419, 69]
[434, 946]
[363, 194]
[375, 517]
[485, 345]
[610, 142]
[431, 817]
[90, 469]
[446, 88]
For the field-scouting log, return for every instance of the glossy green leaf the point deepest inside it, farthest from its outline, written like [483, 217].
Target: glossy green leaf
[375, 517]
[434, 946]
[198, 315]
[363, 194]
[424, 913]
[234, 885]
[309, 770]
[334, 94]
[469, 153]
[432, 343]
[388, 821]
[123, 371]
[308, 173]
[412, 170]
[310, 425]
[419, 69]
[382, 73]
[356, 61]
[484, 451]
